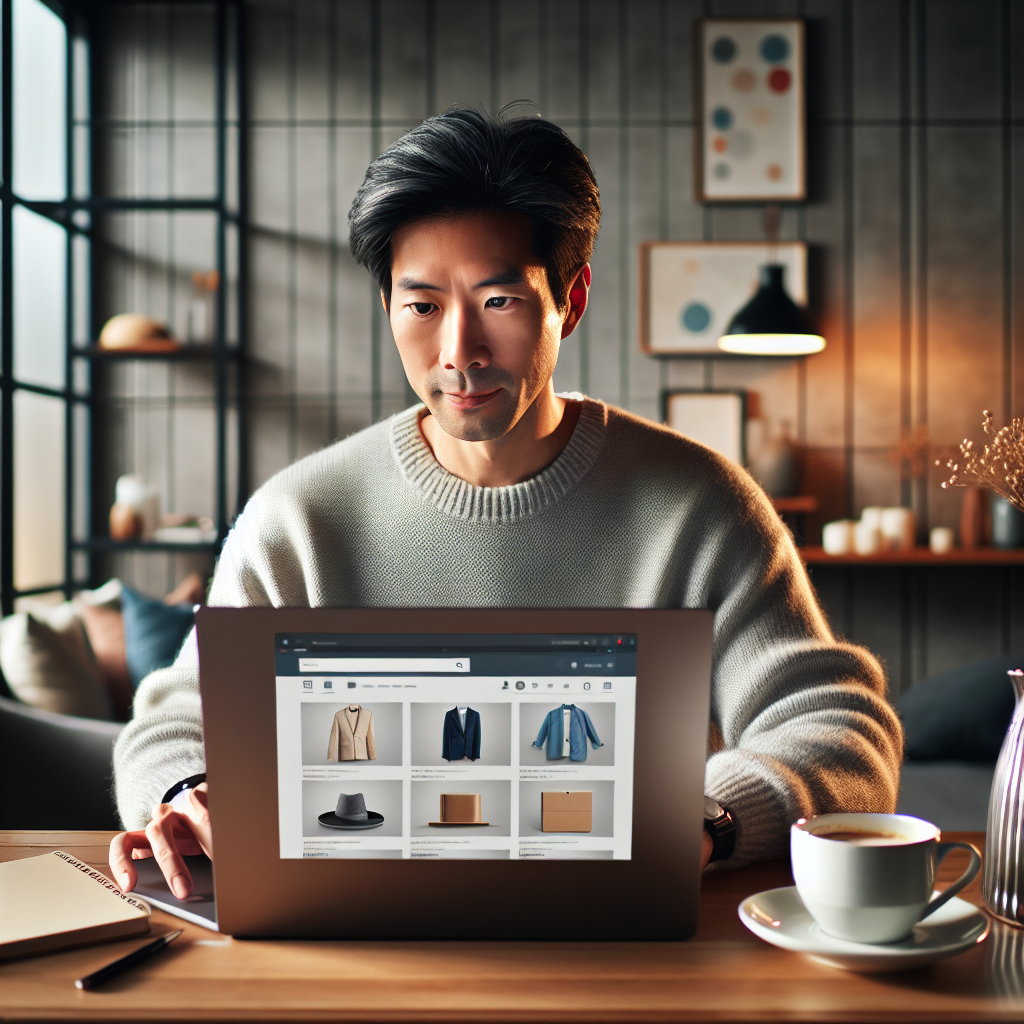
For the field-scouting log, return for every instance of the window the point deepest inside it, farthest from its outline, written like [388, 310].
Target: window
[43, 283]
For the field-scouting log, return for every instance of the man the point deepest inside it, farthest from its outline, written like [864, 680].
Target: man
[498, 492]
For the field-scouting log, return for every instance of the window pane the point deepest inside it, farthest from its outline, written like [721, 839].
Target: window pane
[39, 72]
[83, 135]
[38, 490]
[81, 255]
[39, 298]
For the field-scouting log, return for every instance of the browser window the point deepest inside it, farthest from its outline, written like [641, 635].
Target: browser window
[474, 746]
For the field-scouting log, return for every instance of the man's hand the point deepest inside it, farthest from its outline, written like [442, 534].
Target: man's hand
[170, 835]
[706, 848]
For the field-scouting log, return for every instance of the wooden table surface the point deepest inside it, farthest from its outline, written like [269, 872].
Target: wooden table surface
[723, 974]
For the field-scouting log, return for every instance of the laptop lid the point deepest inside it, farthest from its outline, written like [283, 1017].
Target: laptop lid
[456, 773]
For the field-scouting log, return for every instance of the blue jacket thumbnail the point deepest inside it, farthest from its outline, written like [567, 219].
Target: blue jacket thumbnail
[580, 727]
[458, 742]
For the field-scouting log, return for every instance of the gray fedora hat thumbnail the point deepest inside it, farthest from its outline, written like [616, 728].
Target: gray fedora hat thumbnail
[351, 814]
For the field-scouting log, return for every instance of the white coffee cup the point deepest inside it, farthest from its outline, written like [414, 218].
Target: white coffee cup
[877, 887]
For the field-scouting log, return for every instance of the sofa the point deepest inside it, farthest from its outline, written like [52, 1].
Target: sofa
[57, 769]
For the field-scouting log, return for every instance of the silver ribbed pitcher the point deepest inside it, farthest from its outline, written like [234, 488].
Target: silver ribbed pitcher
[1002, 883]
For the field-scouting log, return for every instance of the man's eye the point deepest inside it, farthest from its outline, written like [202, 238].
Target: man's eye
[422, 308]
[499, 302]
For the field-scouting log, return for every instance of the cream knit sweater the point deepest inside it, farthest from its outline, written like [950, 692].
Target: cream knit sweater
[630, 515]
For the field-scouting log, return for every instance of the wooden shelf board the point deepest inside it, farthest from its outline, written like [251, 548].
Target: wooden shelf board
[107, 544]
[187, 353]
[813, 555]
[796, 503]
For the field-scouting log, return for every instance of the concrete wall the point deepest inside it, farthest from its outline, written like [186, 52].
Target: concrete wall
[913, 221]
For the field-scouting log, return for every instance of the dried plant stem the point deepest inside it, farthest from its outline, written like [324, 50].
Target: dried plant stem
[999, 466]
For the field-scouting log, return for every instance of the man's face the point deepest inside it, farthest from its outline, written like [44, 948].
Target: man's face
[476, 325]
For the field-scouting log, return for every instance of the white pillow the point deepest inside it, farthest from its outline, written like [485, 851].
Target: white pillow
[50, 665]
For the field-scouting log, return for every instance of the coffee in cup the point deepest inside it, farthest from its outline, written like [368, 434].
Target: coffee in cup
[869, 877]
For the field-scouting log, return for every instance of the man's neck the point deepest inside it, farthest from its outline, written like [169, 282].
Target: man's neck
[528, 448]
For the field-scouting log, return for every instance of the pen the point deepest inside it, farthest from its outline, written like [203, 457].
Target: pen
[104, 974]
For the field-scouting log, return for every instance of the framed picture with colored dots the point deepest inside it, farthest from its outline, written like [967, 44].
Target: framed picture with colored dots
[689, 291]
[750, 110]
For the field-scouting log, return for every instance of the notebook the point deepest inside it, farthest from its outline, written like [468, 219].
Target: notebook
[55, 901]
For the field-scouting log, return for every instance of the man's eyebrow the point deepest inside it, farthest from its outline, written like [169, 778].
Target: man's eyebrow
[410, 284]
[507, 277]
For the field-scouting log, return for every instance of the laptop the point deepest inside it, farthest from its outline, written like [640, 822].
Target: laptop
[452, 773]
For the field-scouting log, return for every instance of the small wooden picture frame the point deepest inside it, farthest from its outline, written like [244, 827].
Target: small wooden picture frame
[714, 418]
[750, 110]
[689, 291]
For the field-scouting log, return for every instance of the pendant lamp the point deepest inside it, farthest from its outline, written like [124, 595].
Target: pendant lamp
[771, 323]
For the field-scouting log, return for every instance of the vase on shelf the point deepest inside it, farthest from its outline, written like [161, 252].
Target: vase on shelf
[972, 518]
[1002, 884]
[773, 459]
[1007, 525]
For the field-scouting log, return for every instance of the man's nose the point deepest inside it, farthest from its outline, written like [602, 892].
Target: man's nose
[462, 344]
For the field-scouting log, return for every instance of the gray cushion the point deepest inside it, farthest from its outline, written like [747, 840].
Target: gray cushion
[961, 715]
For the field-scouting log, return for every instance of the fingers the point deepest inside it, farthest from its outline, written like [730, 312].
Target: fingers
[123, 848]
[161, 833]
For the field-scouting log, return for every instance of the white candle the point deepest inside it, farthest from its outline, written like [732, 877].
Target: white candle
[837, 537]
[872, 515]
[897, 526]
[867, 538]
[941, 540]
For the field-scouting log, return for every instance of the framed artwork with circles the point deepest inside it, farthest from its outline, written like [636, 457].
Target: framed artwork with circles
[689, 291]
[750, 110]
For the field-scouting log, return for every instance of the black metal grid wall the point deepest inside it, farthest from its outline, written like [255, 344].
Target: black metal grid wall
[913, 219]
[168, 149]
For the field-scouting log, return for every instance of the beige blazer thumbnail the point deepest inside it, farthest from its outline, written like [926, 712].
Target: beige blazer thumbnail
[352, 735]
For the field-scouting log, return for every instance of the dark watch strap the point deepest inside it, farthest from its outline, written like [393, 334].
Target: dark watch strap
[719, 825]
[180, 787]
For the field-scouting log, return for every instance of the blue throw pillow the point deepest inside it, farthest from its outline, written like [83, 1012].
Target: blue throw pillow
[153, 632]
[960, 715]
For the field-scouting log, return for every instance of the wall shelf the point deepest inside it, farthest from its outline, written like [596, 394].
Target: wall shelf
[222, 358]
[798, 504]
[185, 354]
[110, 546]
[917, 556]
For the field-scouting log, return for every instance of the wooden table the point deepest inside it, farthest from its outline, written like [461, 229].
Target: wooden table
[723, 974]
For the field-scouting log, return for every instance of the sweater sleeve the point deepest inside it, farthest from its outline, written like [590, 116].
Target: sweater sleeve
[805, 721]
[163, 742]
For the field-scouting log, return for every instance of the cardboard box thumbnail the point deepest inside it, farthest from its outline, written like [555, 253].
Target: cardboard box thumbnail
[567, 811]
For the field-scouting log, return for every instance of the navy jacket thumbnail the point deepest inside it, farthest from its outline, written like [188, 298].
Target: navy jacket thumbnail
[580, 727]
[461, 742]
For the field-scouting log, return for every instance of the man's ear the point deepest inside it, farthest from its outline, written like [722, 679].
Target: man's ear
[384, 302]
[579, 292]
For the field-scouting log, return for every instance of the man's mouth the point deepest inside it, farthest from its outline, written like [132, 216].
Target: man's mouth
[474, 401]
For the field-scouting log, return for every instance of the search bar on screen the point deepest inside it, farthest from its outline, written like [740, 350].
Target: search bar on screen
[407, 665]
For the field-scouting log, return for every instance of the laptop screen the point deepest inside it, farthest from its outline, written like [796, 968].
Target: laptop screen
[456, 746]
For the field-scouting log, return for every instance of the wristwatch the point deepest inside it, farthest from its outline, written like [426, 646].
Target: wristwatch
[183, 787]
[719, 825]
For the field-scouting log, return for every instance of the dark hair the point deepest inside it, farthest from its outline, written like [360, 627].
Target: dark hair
[463, 160]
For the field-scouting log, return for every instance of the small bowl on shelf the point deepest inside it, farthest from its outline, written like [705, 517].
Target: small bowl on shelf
[132, 332]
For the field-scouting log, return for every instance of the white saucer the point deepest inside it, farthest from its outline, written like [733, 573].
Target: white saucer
[779, 916]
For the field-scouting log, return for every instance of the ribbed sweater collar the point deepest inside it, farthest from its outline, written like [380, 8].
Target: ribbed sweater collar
[455, 497]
